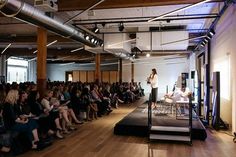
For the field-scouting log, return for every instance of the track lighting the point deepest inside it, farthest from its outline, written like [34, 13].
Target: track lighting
[206, 40]
[148, 55]
[121, 27]
[81, 48]
[6, 48]
[212, 32]
[95, 29]
[87, 37]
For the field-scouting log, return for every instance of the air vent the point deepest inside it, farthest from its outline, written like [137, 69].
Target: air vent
[167, 28]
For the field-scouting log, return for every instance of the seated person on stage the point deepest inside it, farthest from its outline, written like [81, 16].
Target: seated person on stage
[179, 94]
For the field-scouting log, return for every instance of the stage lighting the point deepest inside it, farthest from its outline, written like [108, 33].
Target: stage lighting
[206, 40]
[87, 37]
[212, 32]
[121, 27]
[92, 40]
[208, 37]
[202, 45]
[96, 30]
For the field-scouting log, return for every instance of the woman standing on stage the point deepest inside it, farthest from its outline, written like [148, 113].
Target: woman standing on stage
[154, 84]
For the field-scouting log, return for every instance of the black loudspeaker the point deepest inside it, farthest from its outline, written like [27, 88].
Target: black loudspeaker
[192, 74]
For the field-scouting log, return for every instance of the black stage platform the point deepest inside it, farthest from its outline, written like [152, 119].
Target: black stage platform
[136, 124]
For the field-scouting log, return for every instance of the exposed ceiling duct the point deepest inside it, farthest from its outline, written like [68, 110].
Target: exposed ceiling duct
[27, 13]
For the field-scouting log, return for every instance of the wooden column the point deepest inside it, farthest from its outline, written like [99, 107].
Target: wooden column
[120, 70]
[132, 71]
[3, 68]
[42, 60]
[97, 68]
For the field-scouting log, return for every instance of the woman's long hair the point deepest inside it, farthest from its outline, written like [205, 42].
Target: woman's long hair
[154, 72]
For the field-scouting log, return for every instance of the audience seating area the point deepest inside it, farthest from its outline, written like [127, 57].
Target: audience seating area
[29, 120]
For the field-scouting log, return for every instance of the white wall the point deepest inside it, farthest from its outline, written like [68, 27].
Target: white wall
[192, 67]
[168, 70]
[223, 57]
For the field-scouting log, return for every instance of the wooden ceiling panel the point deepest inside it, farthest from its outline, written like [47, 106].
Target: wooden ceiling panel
[73, 5]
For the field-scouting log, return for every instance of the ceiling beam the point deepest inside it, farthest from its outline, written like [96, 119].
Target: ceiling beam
[21, 52]
[32, 39]
[75, 5]
[143, 19]
[63, 54]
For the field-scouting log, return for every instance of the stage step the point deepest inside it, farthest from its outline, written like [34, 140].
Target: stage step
[170, 133]
[170, 138]
[170, 129]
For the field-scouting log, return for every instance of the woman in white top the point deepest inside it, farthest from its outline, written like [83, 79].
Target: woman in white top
[154, 84]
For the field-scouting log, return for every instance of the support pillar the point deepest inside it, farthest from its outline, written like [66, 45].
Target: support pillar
[42, 61]
[3, 68]
[120, 70]
[98, 68]
[132, 72]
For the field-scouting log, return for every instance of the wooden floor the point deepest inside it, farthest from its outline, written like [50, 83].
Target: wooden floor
[96, 139]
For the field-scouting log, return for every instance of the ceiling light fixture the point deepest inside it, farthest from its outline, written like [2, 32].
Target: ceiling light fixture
[87, 37]
[148, 55]
[49, 44]
[35, 58]
[212, 32]
[6, 48]
[67, 64]
[125, 41]
[121, 26]
[96, 30]
[206, 40]
[77, 49]
[178, 10]
[101, 44]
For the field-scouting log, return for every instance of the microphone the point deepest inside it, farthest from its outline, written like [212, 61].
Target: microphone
[148, 79]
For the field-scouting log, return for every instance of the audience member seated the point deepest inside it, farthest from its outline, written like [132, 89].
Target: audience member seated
[5, 137]
[179, 94]
[103, 105]
[16, 121]
[46, 124]
[87, 104]
[27, 115]
[53, 112]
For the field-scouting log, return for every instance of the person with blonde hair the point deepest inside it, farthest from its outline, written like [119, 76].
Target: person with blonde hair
[16, 122]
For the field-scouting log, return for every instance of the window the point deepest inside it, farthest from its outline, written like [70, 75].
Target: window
[16, 70]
